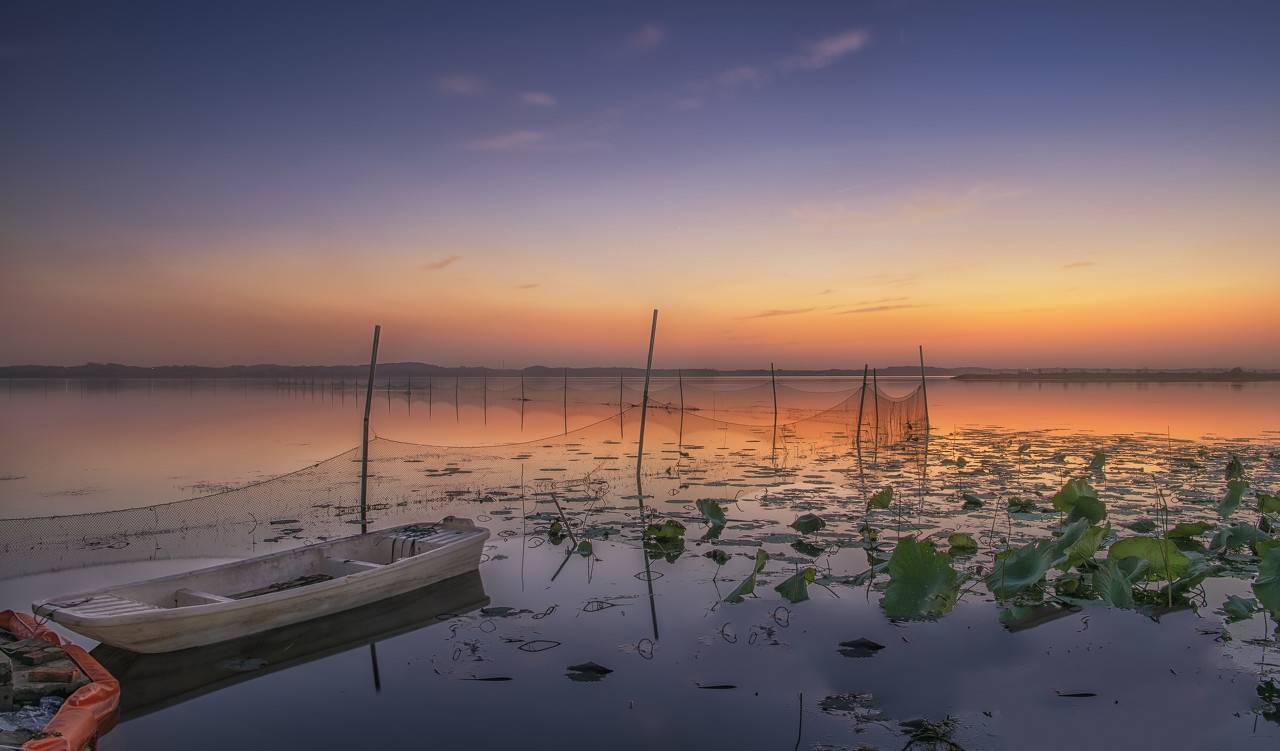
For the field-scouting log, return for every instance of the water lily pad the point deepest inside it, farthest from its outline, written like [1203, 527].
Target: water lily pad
[962, 543]
[1187, 530]
[922, 583]
[881, 499]
[808, 523]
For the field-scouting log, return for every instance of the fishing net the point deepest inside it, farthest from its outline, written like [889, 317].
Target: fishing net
[721, 439]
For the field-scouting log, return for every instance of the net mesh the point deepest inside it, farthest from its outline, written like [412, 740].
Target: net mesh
[721, 440]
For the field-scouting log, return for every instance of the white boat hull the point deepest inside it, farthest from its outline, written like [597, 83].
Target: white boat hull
[195, 609]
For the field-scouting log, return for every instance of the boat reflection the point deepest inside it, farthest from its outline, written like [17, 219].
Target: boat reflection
[155, 681]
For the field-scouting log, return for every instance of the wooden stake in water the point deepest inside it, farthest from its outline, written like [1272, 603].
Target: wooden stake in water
[644, 400]
[484, 383]
[773, 382]
[924, 390]
[875, 392]
[364, 441]
[566, 401]
[862, 398]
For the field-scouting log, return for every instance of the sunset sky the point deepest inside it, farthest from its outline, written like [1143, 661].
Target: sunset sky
[815, 184]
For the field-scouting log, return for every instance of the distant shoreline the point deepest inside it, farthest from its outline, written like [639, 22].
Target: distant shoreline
[1235, 375]
[416, 370]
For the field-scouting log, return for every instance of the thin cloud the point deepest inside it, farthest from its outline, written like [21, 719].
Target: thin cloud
[876, 309]
[537, 99]
[440, 263]
[825, 292]
[513, 141]
[528, 285]
[461, 84]
[776, 312]
[817, 55]
[647, 37]
[829, 50]
[1078, 265]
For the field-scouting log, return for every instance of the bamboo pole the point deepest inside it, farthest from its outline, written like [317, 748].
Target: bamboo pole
[924, 389]
[364, 442]
[644, 400]
[862, 398]
[773, 381]
[566, 401]
[875, 390]
[484, 384]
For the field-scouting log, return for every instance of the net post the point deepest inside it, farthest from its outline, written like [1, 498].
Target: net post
[364, 441]
[773, 383]
[875, 390]
[565, 372]
[862, 399]
[924, 390]
[644, 400]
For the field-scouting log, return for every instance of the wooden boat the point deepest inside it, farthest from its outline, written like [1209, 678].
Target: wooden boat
[152, 682]
[247, 597]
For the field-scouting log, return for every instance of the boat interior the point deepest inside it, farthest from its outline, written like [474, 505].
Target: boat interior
[277, 572]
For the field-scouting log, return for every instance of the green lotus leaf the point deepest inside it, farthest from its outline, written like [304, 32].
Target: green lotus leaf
[1267, 585]
[1237, 535]
[922, 583]
[1065, 500]
[1187, 530]
[1022, 568]
[882, 499]
[1231, 500]
[712, 511]
[1238, 608]
[796, 587]
[1268, 503]
[962, 543]
[808, 523]
[1165, 561]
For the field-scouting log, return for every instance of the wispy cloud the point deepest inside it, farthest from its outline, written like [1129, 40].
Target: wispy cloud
[876, 309]
[647, 37]
[828, 50]
[825, 292]
[461, 84]
[440, 263]
[813, 56]
[1078, 265]
[513, 141]
[528, 285]
[776, 312]
[537, 99]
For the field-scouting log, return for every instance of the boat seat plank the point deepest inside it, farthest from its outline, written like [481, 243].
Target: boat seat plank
[107, 605]
[185, 597]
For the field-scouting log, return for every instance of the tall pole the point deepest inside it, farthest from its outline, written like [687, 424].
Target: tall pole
[875, 390]
[644, 400]
[484, 384]
[862, 398]
[364, 442]
[924, 390]
[773, 381]
[566, 401]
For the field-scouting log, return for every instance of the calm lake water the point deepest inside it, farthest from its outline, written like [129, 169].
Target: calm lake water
[485, 659]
